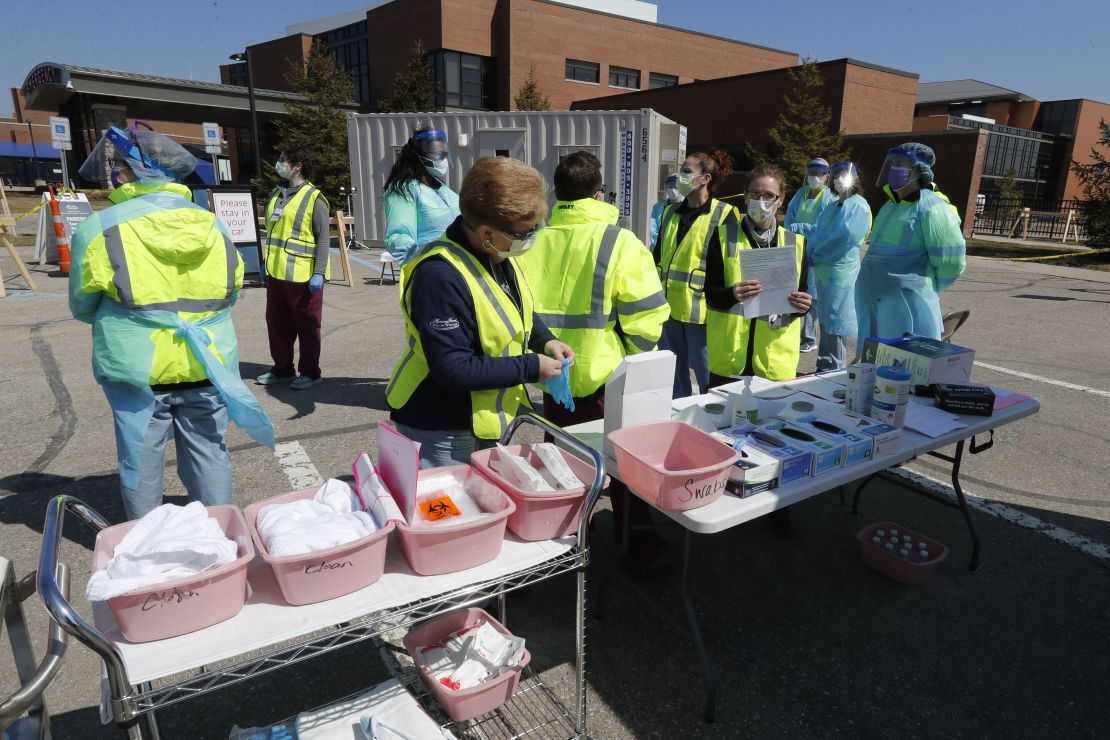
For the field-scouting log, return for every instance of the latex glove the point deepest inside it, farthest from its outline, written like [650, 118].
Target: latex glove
[316, 283]
[559, 387]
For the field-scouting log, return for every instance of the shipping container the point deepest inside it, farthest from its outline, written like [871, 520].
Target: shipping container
[637, 149]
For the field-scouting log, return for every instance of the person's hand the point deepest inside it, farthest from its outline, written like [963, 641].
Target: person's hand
[746, 289]
[549, 368]
[801, 301]
[559, 350]
[316, 283]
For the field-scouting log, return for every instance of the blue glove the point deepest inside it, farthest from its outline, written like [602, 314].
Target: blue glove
[316, 283]
[559, 387]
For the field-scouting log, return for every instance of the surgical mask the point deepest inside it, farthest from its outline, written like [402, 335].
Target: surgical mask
[843, 184]
[898, 177]
[520, 246]
[685, 184]
[438, 169]
[284, 171]
[813, 182]
[673, 195]
[761, 210]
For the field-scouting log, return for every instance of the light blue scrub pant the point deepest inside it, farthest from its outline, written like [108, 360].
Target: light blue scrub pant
[197, 420]
[832, 350]
[809, 324]
[442, 447]
[688, 342]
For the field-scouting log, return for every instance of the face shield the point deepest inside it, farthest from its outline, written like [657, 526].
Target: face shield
[430, 146]
[151, 156]
[816, 172]
[670, 189]
[900, 167]
[844, 176]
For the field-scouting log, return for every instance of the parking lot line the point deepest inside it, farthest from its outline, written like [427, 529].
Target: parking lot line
[297, 466]
[1052, 381]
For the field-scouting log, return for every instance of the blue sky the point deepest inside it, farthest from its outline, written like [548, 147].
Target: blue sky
[1049, 50]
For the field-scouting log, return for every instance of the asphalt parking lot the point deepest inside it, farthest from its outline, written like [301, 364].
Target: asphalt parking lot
[808, 641]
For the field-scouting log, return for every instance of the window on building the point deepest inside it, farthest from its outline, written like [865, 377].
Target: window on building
[657, 80]
[583, 71]
[462, 80]
[1057, 117]
[237, 74]
[349, 46]
[624, 77]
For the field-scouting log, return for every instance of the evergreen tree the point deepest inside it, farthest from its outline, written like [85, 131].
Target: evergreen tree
[804, 129]
[1010, 197]
[317, 122]
[412, 90]
[1095, 178]
[530, 96]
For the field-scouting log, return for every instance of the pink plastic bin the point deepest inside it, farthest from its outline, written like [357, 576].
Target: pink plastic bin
[448, 548]
[187, 604]
[909, 572]
[540, 516]
[672, 465]
[466, 703]
[324, 574]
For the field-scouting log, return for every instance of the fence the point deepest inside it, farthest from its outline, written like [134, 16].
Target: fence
[1047, 219]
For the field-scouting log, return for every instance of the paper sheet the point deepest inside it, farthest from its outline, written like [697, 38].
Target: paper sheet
[930, 421]
[776, 269]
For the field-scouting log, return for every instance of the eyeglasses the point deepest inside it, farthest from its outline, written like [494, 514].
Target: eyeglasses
[523, 234]
[762, 196]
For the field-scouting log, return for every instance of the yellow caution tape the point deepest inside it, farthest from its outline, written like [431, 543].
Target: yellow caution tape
[33, 210]
[1048, 257]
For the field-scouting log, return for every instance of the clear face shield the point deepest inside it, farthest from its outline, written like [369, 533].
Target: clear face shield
[670, 189]
[844, 176]
[150, 157]
[815, 176]
[898, 168]
[431, 148]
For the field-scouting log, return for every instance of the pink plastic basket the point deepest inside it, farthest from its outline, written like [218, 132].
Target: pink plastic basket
[448, 548]
[187, 604]
[324, 574]
[539, 516]
[909, 572]
[466, 703]
[672, 465]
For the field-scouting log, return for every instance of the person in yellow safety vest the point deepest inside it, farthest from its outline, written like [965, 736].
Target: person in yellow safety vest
[472, 339]
[595, 286]
[689, 232]
[766, 346]
[156, 276]
[298, 247]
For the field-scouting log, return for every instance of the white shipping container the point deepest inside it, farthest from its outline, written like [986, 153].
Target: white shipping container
[637, 149]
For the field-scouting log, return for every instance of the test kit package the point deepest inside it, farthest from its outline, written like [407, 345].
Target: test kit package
[640, 390]
[884, 437]
[928, 360]
[794, 462]
[854, 448]
[754, 473]
[977, 400]
[827, 455]
[860, 388]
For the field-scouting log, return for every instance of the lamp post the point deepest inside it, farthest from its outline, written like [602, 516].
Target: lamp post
[246, 57]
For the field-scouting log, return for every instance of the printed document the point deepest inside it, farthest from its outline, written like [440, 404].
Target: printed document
[776, 269]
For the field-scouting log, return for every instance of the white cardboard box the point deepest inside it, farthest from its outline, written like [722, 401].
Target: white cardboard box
[640, 391]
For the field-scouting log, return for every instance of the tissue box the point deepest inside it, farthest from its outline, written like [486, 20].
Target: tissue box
[795, 463]
[854, 448]
[754, 473]
[639, 391]
[928, 360]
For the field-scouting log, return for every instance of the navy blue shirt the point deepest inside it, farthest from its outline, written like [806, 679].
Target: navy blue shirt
[442, 311]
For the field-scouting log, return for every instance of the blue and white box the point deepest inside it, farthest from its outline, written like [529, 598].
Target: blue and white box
[827, 455]
[856, 448]
[795, 463]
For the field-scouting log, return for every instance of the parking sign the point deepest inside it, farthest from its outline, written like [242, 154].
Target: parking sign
[212, 138]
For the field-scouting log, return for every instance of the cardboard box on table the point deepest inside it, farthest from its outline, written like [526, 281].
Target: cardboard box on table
[928, 360]
[640, 391]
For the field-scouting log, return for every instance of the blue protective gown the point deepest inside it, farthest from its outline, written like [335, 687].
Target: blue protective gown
[802, 212]
[417, 217]
[834, 248]
[656, 218]
[917, 250]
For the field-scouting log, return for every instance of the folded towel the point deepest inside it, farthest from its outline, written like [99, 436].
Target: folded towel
[168, 543]
[331, 518]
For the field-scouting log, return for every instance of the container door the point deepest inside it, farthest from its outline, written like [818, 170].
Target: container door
[502, 143]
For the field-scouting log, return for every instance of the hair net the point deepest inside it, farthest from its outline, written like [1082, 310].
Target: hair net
[152, 156]
[917, 157]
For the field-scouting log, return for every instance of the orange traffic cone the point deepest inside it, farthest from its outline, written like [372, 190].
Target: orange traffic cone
[60, 234]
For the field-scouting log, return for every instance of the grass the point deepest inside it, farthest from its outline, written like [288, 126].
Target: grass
[996, 250]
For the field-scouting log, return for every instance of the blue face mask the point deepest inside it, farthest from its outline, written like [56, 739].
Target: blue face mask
[898, 177]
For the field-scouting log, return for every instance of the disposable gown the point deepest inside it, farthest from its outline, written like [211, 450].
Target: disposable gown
[123, 352]
[917, 250]
[802, 212]
[417, 217]
[834, 248]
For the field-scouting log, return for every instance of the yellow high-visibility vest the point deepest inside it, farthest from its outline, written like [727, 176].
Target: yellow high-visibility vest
[291, 252]
[682, 265]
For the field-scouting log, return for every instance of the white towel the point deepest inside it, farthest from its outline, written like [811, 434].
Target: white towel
[168, 543]
[331, 518]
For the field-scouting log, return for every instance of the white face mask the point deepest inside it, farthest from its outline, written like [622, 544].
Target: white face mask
[685, 184]
[284, 171]
[844, 184]
[813, 182]
[518, 246]
[673, 195]
[438, 169]
[761, 211]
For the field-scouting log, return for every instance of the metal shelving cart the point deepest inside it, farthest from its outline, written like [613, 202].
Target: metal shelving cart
[144, 678]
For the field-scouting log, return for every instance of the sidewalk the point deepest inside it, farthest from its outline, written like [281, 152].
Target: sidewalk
[1032, 243]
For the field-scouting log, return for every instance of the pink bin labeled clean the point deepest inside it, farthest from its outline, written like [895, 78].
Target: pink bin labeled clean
[183, 605]
[540, 516]
[672, 465]
[324, 574]
[909, 572]
[466, 703]
[447, 548]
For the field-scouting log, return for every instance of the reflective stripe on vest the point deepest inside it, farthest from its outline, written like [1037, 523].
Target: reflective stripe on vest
[121, 279]
[689, 276]
[298, 252]
[596, 318]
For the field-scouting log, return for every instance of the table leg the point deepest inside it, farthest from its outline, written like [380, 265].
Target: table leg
[964, 508]
[859, 490]
[695, 633]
